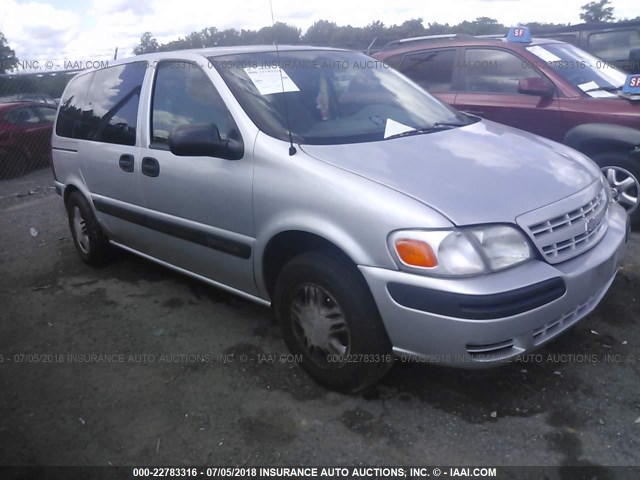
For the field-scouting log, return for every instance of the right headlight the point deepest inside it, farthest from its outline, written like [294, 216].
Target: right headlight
[461, 251]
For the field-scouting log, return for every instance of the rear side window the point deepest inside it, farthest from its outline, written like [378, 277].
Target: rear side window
[395, 61]
[493, 71]
[183, 94]
[432, 70]
[73, 106]
[614, 45]
[108, 112]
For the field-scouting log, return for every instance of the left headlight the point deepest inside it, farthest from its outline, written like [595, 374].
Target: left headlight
[461, 251]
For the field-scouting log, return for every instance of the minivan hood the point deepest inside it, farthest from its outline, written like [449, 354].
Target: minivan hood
[481, 173]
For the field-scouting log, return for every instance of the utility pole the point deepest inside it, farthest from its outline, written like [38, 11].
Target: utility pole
[115, 55]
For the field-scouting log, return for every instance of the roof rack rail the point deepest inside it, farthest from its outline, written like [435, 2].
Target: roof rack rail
[427, 38]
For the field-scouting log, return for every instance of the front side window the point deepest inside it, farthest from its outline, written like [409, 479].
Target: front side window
[493, 71]
[46, 114]
[432, 70]
[326, 97]
[184, 95]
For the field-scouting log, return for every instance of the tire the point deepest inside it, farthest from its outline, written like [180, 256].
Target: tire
[315, 290]
[90, 241]
[623, 174]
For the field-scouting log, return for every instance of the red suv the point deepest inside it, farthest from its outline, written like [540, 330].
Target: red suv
[544, 86]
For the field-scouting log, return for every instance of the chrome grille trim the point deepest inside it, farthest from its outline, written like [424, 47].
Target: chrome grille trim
[567, 228]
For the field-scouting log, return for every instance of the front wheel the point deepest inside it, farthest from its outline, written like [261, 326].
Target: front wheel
[328, 316]
[91, 243]
[623, 176]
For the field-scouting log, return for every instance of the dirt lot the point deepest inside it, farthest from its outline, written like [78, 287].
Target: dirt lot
[163, 387]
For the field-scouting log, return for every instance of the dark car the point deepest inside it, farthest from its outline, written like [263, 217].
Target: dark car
[544, 86]
[616, 43]
[25, 137]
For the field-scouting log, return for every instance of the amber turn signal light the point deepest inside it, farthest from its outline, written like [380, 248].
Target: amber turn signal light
[416, 253]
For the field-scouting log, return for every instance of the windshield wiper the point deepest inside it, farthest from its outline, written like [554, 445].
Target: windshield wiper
[436, 127]
[604, 89]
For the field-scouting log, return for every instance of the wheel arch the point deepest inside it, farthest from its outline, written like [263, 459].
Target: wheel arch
[597, 138]
[287, 244]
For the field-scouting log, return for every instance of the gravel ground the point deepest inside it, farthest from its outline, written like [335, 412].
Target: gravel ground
[183, 373]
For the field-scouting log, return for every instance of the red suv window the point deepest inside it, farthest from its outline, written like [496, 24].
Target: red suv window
[493, 71]
[432, 70]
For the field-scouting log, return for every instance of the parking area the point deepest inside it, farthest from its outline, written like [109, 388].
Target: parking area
[134, 364]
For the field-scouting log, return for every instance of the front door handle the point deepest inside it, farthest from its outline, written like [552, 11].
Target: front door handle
[126, 163]
[150, 167]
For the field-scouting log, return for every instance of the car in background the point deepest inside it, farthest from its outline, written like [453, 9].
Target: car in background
[30, 97]
[618, 44]
[544, 86]
[25, 137]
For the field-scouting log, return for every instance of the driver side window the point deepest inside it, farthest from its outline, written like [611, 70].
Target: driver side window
[494, 71]
[184, 95]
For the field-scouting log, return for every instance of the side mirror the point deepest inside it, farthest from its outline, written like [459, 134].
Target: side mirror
[203, 140]
[536, 86]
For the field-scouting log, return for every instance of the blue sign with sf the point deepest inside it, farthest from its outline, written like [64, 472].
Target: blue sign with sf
[632, 85]
[519, 34]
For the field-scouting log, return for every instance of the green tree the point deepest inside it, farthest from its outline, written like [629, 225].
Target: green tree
[148, 44]
[597, 11]
[321, 33]
[280, 33]
[480, 26]
[8, 60]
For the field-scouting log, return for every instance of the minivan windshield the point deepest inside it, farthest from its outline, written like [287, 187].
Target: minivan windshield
[593, 76]
[331, 97]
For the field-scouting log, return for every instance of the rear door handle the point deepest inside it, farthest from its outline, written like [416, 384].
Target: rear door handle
[126, 163]
[150, 167]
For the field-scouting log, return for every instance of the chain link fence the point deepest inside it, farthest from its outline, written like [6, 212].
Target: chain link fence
[28, 106]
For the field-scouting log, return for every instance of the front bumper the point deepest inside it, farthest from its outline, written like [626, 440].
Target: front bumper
[481, 321]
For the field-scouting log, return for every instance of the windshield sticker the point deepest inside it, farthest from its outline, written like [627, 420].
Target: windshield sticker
[394, 128]
[270, 80]
[588, 86]
[601, 94]
[593, 86]
[544, 54]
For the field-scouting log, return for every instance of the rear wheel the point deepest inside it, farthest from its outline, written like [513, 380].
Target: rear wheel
[91, 243]
[623, 176]
[328, 316]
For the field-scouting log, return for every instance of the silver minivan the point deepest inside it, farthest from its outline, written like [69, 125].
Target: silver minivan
[376, 221]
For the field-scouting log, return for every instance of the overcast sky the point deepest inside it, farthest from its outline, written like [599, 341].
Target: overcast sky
[77, 30]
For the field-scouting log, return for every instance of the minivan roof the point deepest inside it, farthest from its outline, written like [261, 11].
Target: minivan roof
[221, 51]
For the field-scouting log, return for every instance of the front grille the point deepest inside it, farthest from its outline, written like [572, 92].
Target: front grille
[567, 228]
